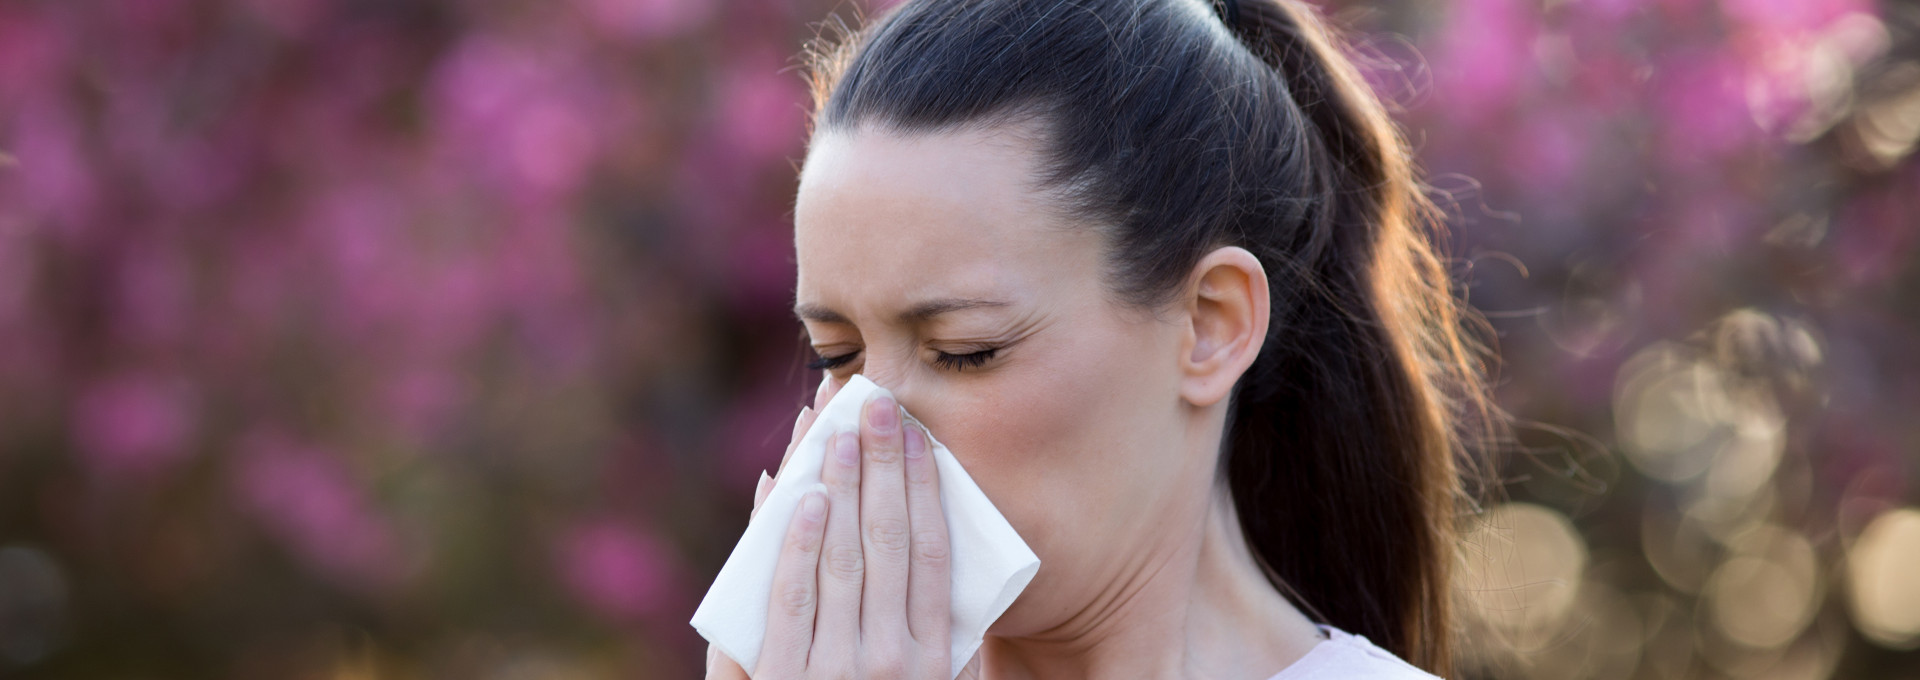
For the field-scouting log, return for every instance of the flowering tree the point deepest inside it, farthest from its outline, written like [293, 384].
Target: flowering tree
[446, 338]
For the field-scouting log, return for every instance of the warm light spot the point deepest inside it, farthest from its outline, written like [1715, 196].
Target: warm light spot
[1749, 458]
[1885, 590]
[1665, 410]
[1812, 656]
[1681, 411]
[1679, 550]
[1768, 591]
[1524, 564]
[1889, 129]
[1600, 640]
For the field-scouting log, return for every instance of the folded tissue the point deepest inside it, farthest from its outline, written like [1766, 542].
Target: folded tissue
[990, 564]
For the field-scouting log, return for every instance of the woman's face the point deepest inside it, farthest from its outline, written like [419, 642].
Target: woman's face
[911, 246]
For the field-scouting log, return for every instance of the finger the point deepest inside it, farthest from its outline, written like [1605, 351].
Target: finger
[760, 492]
[800, 427]
[792, 613]
[828, 388]
[884, 530]
[930, 583]
[842, 564]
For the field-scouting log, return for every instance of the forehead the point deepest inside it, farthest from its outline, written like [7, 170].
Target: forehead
[885, 219]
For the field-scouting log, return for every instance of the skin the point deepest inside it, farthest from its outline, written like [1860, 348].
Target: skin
[1095, 428]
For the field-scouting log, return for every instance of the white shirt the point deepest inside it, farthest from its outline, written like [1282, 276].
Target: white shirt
[1345, 656]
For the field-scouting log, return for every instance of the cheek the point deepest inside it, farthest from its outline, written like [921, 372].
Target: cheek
[1064, 435]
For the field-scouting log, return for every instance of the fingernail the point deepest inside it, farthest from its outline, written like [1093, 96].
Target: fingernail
[813, 507]
[765, 482]
[916, 443]
[846, 449]
[882, 414]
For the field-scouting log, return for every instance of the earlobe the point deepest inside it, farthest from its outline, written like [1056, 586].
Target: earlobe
[1227, 312]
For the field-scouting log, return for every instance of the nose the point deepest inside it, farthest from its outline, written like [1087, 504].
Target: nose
[891, 375]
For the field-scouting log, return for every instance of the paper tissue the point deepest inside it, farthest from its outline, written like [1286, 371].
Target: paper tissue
[990, 563]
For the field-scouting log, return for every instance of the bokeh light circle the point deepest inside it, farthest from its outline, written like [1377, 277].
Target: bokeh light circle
[1885, 592]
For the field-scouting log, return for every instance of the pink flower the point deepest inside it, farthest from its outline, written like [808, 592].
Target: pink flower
[134, 425]
[1550, 151]
[308, 500]
[647, 19]
[623, 574]
[762, 110]
[1482, 55]
[1701, 96]
[52, 168]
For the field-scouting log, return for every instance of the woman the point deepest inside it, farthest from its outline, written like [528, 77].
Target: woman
[1153, 270]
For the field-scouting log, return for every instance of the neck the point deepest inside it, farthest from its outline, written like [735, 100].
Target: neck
[1232, 623]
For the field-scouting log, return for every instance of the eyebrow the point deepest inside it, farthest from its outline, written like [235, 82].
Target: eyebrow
[915, 314]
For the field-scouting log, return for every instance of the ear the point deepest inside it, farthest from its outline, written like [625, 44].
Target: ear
[1226, 311]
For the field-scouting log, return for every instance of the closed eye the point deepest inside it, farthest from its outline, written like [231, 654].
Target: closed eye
[829, 363]
[961, 362]
[953, 362]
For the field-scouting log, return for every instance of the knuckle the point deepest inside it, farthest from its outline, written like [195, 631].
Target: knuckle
[797, 599]
[846, 562]
[841, 481]
[805, 542]
[924, 478]
[888, 536]
[841, 488]
[883, 450]
[931, 547]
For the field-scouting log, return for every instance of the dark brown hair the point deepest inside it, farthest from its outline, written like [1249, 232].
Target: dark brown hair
[1176, 131]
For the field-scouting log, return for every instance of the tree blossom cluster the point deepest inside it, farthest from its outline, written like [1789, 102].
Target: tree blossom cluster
[444, 338]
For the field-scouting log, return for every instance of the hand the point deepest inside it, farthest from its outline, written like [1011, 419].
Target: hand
[877, 605]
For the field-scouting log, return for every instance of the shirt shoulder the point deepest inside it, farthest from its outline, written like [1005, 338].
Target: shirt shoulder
[1345, 656]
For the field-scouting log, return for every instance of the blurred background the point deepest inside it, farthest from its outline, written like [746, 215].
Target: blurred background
[409, 339]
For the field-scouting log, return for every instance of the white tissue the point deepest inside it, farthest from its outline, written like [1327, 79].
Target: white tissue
[990, 564]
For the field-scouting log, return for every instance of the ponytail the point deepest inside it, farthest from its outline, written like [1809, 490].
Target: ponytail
[1347, 437]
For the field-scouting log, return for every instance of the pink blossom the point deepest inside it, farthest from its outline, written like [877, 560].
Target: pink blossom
[153, 302]
[529, 118]
[55, 175]
[647, 19]
[623, 574]
[309, 501]
[762, 111]
[1548, 153]
[1483, 52]
[1701, 98]
[32, 55]
[135, 424]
